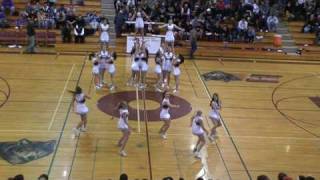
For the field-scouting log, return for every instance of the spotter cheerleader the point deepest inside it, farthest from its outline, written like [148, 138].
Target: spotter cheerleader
[111, 68]
[198, 130]
[169, 38]
[176, 71]
[123, 126]
[158, 71]
[214, 115]
[103, 58]
[104, 34]
[134, 62]
[81, 109]
[168, 57]
[143, 65]
[165, 114]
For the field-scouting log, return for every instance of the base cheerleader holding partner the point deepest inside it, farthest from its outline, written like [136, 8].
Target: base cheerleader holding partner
[165, 114]
[123, 126]
[214, 115]
[134, 62]
[167, 67]
[95, 74]
[158, 71]
[111, 68]
[143, 66]
[177, 72]
[198, 130]
[103, 58]
[81, 109]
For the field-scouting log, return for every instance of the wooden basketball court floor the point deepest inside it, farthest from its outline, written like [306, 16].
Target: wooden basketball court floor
[257, 137]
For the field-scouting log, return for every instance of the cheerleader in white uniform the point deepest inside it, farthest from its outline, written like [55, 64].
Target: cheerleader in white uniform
[143, 65]
[123, 126]
[198, 130]
[214, 115]
[169, 38]
[176, 71]
[134, 62]
[95, 73]
[167, 62]
[165, 114]
[139, 22]
[81, 109]
[103, 58]
[158, 71]
[104, 35]
[111, 69]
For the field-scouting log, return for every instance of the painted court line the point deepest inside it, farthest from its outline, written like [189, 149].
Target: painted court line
[60, 98]
[157, 134]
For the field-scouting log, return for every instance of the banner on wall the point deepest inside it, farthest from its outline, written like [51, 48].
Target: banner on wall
[152, 43]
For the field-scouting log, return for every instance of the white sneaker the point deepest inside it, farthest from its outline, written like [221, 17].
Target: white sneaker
[112, 87]
[158, 89]
[175, 91]
[123, 153]
[83, 129]
[76, 132]
[211, 138]
[197, 155]
[163, 136]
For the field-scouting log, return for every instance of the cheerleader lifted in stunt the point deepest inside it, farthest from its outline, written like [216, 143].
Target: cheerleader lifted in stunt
[169, 38]
[214, 115]
[139, 22]
[123, 126]
[198, 130]
[165, 114]
[81, 109]
[104, 34]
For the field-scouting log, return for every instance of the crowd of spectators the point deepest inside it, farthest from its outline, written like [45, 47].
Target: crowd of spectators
[223, 20]
[48, 15]
[307, 11]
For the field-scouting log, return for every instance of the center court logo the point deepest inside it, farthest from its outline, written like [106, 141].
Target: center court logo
[108, 103]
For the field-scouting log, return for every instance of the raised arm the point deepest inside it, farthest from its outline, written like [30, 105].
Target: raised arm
[179, 28]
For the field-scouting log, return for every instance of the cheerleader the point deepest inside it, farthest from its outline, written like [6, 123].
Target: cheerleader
[123, 126]
[139, 23]
[167, 61]
[103, 57]
[158, 71]
[111, 68]
[104, 35]
[198, 130]
[165, 114]
[169, 38]
[143, 65]
[81, 109]
[95, 73]
[134, 62]
[214, 115]
[177, 71]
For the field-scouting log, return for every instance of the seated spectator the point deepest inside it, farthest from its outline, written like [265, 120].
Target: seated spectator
[119, 21]
[60, 19]
[242, 27]
[79, 35]
[43, 177]
[7, 5]
[3, 20]
[251, 34]
[66, 33]
[263, 177]
[317, 38]
[272, 23]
